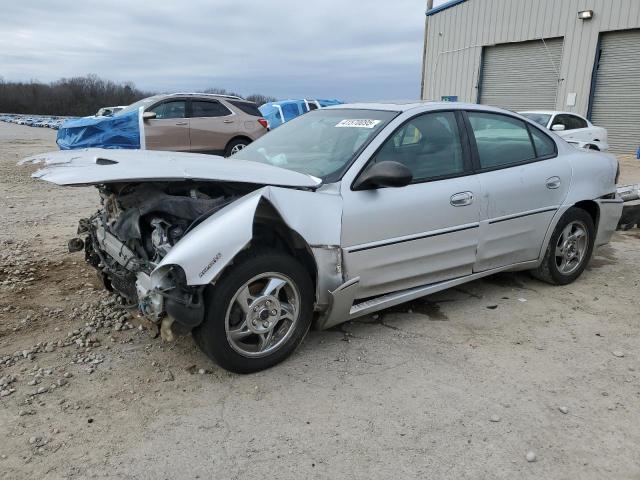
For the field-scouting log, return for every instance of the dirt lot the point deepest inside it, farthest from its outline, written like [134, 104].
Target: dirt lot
[462, 384]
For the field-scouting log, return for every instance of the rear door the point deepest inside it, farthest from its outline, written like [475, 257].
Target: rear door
[170, 129]
[523, 182]
[212, 126]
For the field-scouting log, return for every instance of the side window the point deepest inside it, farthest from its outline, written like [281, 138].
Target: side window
[570, 122]
[544, 145]
[501, 140]
[208, 109]
[576, 122]
[409, 135]
[312, 106]
[429, 145]
[174, 109]
[249, 108]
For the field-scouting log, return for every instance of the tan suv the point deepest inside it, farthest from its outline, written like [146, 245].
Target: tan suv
[201, 123]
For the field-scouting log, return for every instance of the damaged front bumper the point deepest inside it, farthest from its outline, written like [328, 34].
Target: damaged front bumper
[165, 293]
[161, 294]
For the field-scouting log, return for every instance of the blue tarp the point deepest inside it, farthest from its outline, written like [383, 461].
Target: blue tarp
[290, 109]
[118, 131]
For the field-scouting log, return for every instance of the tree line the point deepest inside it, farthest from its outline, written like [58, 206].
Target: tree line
[79, 96]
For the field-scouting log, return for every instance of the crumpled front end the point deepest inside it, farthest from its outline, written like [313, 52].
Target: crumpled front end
[131, 234]
[169, 224]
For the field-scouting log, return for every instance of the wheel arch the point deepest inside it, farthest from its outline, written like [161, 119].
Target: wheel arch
[592, 208]
[589, 206]
[268, 216]
[237, 137]
[270, 229]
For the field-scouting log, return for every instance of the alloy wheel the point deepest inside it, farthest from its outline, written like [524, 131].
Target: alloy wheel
[571, 247]
[262, 315]
[237, 148]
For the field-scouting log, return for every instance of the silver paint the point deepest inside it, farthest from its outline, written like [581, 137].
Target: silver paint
[394, 244]
[94, 165]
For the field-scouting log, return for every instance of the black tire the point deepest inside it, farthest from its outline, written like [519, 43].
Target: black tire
[549, 271]
[211, 335]
[234, 144]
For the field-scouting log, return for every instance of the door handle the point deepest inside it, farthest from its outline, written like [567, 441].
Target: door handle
[553, 183]
[181, 123]
[462, 199]
[227, 121]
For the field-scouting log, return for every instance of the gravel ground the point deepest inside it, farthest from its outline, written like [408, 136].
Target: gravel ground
[501, 378]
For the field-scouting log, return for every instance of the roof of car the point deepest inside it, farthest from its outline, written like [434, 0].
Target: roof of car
[196, 94]
[404, 105]
[551, 112]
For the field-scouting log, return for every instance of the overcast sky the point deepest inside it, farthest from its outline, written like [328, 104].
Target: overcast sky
[350, 49]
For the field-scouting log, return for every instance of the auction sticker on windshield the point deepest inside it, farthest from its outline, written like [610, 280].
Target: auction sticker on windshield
[358, 123]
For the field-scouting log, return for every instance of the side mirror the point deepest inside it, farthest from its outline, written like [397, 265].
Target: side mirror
[557, 127]
[148, 115]
[384, 174]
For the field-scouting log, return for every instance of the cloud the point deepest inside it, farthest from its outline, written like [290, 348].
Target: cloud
[357, 50]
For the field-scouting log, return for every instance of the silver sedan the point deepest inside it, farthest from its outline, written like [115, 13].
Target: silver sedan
[337, 214]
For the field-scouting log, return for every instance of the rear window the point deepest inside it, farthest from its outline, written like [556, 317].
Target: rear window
[247, 107]
[544, 145]
[539, 118]
[501, 140]
[208, 109]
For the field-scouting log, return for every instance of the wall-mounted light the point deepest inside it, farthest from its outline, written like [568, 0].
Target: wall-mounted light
[585, 15]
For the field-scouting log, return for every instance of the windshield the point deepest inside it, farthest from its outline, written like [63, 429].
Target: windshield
[539, 118]
[145, 102]
[321, 143]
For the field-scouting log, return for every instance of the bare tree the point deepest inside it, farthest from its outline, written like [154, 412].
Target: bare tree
[67, 96]
[78, 96]
[261, 99]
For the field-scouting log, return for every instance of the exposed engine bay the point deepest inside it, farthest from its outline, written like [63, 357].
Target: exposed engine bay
[137, 225]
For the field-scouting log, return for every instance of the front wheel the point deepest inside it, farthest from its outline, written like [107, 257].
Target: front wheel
[257, 313]
[569, 248]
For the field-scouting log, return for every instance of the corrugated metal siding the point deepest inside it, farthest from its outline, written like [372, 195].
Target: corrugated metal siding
[616, 99]
[521, 75]
[455, 38]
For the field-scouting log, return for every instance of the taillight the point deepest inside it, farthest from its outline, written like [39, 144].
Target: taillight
[263, 122]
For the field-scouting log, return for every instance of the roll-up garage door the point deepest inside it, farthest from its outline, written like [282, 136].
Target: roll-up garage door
[522, 75]
[615, 103]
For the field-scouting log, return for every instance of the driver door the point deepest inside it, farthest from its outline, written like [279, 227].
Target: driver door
[422, 233]
[170, 129]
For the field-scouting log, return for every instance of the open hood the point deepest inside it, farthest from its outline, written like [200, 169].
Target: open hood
[96, 166]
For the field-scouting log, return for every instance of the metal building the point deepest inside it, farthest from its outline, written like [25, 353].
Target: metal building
[580, 56]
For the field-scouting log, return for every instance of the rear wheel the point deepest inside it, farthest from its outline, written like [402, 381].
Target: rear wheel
[569, 248]
[235, 146]
[257, 313]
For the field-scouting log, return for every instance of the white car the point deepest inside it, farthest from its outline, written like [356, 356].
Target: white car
[573, 128]
[108, 111]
